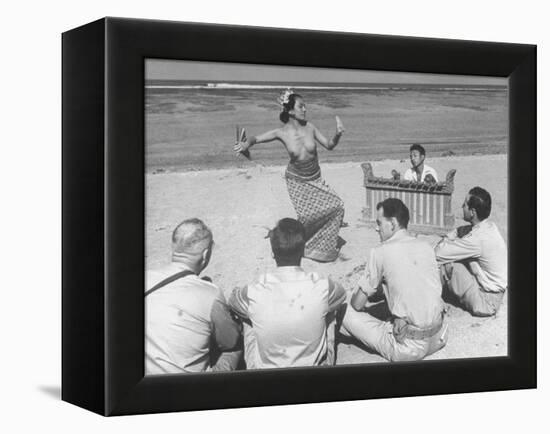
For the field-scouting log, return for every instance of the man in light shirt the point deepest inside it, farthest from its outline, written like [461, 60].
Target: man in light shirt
[188, 325]
[419, 171]
[473, 258]
[404, 269]
[286, 310]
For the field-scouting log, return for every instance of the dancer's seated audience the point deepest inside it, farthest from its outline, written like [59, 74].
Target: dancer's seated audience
[403, 268]
[285, 311]
[473, 258]
[189, 327]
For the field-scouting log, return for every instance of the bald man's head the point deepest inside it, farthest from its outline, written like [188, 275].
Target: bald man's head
[191, 238]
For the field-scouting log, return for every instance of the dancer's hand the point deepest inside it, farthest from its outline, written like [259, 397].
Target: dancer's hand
[339, 126]
[240, 147]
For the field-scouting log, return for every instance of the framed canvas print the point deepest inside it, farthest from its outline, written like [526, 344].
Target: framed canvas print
[259, 216]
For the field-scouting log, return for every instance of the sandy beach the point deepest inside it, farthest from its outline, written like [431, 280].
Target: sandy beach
[240, 204]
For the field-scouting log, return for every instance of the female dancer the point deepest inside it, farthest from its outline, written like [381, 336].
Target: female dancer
[317, 206]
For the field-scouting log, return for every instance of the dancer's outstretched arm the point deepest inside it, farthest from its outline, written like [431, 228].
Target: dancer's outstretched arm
[244, 145]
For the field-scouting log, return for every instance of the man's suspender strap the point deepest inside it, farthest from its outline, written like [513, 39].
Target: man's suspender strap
[168, 280]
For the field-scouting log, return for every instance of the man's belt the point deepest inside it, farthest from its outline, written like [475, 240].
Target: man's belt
[403, 330]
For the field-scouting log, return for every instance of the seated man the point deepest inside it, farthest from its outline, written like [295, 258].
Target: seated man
[286, 310]
[405, 270]
[187, 321]
[419, 171]
[474, 258]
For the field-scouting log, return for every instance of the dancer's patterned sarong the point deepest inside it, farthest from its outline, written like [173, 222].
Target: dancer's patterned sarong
[318, 208]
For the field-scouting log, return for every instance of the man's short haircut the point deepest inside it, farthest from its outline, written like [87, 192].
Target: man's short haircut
[393, 207]
[417, 147]
[191, 236]
[480, 200]
[288, 239]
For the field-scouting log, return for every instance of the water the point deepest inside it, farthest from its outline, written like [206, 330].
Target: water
[190, 125]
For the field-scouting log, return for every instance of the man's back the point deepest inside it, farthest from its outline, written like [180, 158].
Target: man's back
[493, 259]
[412, 284]
[287, 309]
[179, 318]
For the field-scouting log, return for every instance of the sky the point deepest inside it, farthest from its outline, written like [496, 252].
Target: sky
[215, 71]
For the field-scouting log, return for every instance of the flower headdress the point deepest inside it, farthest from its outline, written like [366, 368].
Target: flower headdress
[284, 97]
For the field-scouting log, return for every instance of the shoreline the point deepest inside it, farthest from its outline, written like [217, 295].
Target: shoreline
[255, 164]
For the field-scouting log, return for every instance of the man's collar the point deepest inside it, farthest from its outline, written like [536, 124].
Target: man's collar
[480, 224]
[180, 266]
[289, 269]
[398, 235]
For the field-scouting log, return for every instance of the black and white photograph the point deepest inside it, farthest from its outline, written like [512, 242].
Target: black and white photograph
[302, 217]
[274, 216]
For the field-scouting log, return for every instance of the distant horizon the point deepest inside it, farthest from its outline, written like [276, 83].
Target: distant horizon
[158, 69]
[158, 82]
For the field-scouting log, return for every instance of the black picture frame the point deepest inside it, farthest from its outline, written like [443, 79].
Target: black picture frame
[103, 215]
